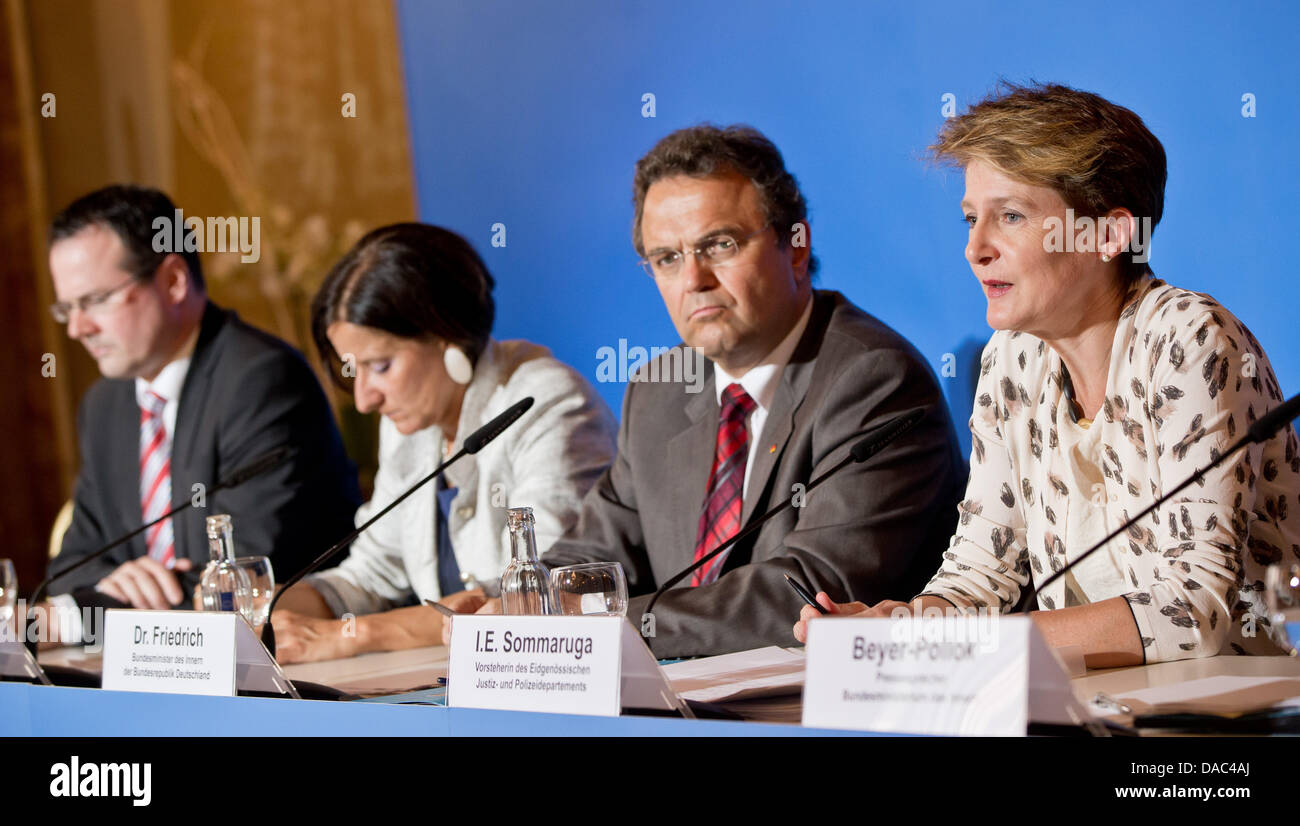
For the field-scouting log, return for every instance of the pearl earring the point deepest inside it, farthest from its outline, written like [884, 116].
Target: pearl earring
[457, 364]
[1105, 259]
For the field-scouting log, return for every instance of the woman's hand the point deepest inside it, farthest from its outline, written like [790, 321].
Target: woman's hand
[301, 639]
[465, 602]
[885, 608]
[486, 606]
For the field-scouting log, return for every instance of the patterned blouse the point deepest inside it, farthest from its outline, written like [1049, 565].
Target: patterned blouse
[1186, 379]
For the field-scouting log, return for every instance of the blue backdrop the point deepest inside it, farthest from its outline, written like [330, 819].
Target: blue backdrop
[531, 115]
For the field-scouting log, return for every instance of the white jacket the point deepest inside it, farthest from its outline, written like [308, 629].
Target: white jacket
[547, 460]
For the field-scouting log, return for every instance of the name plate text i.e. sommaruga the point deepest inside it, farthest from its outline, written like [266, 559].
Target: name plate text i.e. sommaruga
[170, 652]
[987, 675]
[566, 665]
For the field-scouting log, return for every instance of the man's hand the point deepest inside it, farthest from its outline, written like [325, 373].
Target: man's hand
[486, 606]
[145, 583]
[884, 608]
[46, 617]
[51, 639]
[301, 639]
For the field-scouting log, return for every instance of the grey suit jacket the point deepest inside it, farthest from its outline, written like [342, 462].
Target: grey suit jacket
[875, 531]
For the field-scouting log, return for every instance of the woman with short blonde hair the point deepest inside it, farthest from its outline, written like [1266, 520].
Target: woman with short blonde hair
[1102, 387]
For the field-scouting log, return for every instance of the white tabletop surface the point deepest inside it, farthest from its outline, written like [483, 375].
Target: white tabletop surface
[394, 671]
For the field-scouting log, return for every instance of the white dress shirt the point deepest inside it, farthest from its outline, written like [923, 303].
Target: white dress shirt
[760, 382]
[168, 384]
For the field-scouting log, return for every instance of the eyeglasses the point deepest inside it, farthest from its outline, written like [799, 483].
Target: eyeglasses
[714, 250]
[62, 310]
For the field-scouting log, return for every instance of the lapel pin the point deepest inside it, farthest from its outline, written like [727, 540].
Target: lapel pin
[772, 449]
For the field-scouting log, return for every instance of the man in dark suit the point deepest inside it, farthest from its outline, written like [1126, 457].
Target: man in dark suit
[190, 393]
[798, 376]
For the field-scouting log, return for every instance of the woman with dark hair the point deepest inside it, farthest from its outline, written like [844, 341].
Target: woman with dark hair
[1101, 388]
[407, 315]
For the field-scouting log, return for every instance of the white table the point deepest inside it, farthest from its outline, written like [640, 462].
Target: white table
[395, 671]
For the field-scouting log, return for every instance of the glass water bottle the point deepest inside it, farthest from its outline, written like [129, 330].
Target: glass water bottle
[526, 583]
[224, 585]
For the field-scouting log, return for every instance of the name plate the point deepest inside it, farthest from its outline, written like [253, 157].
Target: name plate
[567, 665]
[988, 675]
[170, 652]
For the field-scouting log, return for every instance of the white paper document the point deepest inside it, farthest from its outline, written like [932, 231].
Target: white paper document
[744, 675]
[1225, 695]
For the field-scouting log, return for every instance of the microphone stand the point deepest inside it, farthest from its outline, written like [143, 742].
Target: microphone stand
[1261, 431]
[473, 443]
[267, 461]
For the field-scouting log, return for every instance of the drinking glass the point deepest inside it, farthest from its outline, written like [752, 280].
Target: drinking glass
[261, 587]
[8, 592]
[590, 589]
[1282, 596]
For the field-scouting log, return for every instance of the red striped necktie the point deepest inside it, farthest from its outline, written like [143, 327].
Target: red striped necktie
[722, 508]
[156, 478]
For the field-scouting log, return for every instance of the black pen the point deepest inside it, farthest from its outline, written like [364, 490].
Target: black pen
[440, 608]
[804, 593]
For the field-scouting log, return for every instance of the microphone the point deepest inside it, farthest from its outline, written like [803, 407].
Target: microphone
[1261, 431]
[266, 462]
[880, 438]
[473, 443]
[866, 447]
[1274, 420]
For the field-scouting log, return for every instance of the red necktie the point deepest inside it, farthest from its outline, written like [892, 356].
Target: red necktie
[156, 479]
[721, 517]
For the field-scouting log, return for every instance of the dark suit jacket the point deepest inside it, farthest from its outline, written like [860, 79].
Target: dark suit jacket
[875, 531]
[246, 392]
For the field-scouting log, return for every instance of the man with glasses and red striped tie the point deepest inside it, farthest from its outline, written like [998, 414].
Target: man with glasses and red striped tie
[189, 393]
[795, 377]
